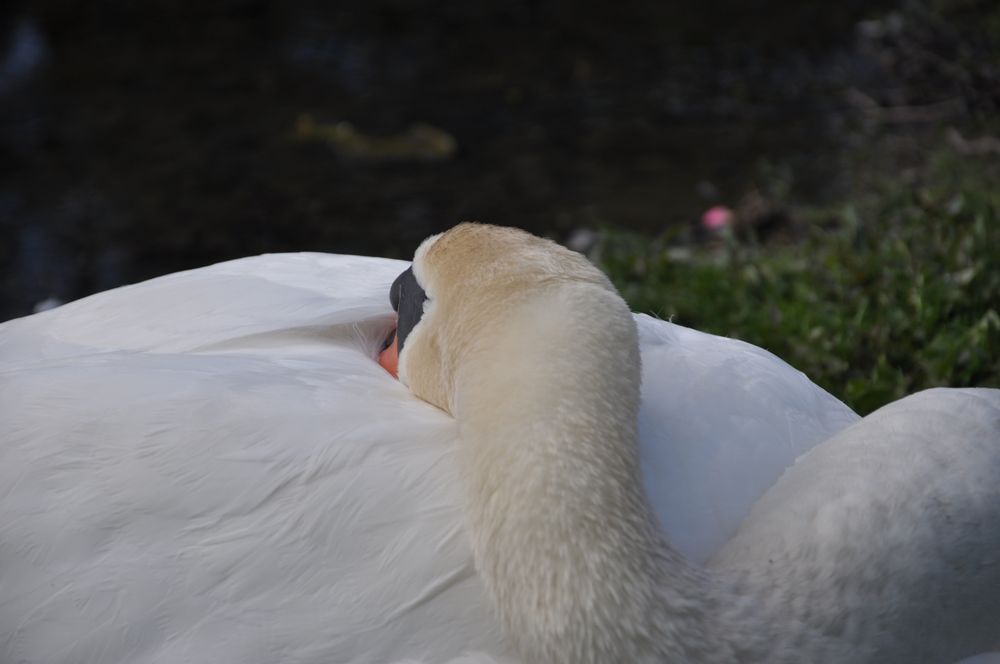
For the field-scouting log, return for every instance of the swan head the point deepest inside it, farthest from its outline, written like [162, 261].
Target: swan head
[474, 286]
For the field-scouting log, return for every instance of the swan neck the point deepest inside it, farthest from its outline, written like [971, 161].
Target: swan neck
[568, 548]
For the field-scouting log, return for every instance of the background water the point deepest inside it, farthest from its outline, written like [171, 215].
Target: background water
[141, 138]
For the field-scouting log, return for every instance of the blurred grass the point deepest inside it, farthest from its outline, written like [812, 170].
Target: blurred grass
[892, 292]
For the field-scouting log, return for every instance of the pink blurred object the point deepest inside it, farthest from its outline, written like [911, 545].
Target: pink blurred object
[716, 217]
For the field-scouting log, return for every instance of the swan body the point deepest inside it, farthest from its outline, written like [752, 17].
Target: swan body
[210, 467]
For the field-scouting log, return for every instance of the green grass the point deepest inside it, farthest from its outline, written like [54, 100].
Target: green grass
[893, 292]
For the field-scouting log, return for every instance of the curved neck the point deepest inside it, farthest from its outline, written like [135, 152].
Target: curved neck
[568, 549]
[571, 557]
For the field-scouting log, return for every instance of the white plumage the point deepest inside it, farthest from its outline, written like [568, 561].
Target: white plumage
[210, 467]
[720, 420]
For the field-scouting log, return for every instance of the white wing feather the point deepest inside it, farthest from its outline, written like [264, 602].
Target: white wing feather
[210, 467]
[720, 421]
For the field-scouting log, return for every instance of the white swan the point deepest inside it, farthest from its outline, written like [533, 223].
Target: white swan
[210, 467]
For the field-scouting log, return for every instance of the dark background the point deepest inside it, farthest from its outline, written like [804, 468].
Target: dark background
[138, 138]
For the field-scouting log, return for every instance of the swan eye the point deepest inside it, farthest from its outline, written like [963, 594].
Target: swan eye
[407, 298]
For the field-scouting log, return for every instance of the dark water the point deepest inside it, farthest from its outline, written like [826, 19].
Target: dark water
[141, 138]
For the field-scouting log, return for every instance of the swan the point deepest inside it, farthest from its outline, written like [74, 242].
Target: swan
[210, 466]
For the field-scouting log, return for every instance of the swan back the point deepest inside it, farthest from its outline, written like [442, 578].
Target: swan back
[210, 467]
[898, 511]
[720, 421]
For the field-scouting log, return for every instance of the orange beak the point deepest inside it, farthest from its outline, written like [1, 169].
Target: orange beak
[389, 358]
